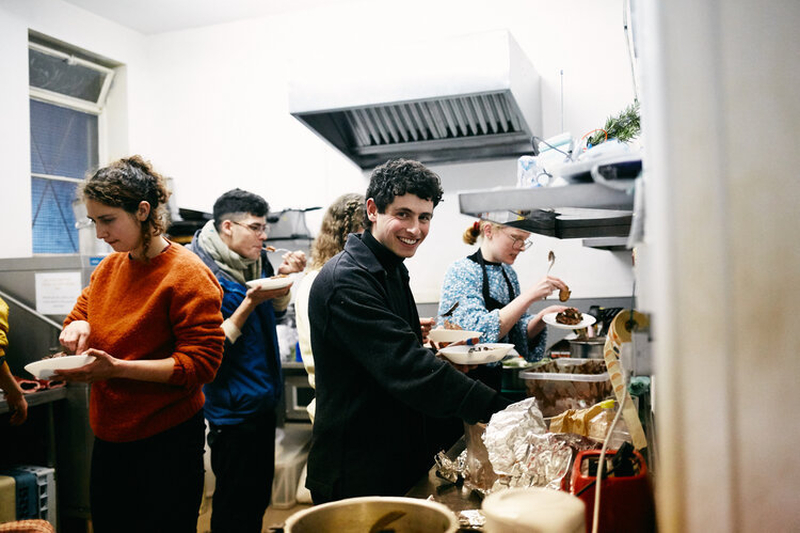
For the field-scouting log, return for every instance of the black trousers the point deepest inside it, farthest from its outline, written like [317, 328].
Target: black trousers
[154, 484]
[243, 461]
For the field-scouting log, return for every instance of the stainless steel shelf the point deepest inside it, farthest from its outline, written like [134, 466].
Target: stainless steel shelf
[579, 210]
[614, 244]
[37, 398]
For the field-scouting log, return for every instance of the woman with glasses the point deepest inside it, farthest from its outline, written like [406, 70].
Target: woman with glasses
[488, 293]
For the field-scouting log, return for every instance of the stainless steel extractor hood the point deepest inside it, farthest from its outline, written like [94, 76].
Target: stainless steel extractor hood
[463, 98]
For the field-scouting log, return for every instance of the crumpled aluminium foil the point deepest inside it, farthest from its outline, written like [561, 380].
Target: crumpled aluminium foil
[524, 454]
[449, 469]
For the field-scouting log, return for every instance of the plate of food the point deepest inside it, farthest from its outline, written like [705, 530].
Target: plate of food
[442, 335]
[480, 354]
[272, 283]
[44, 368]
[570, 318]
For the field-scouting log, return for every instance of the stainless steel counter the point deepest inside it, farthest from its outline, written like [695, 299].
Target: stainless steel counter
[38, 398]
[455, 496]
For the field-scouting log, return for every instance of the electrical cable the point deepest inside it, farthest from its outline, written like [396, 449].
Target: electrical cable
[600, 465]
[535, 138]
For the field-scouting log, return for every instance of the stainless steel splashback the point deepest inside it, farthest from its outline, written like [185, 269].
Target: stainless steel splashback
[31, 338]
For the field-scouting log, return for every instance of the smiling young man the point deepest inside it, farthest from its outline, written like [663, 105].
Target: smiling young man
[376, 383]
[240, 402]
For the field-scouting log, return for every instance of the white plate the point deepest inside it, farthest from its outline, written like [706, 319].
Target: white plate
[461, 355]
[588, 320]
[44, 369]
[438, 335]
[271, 284]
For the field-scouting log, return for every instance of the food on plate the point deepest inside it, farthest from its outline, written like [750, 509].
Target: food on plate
[480, 349]
[452, 326]
[569, 316]
[564, 294]
[279, 276]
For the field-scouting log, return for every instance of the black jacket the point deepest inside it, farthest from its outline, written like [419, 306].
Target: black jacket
[376, 383]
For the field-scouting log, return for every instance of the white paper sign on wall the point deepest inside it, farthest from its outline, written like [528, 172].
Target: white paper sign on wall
[57, 292]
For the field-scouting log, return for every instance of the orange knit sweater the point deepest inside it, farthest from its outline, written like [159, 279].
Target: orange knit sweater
[169, 307]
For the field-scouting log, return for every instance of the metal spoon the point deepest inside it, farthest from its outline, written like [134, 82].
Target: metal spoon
[273, 249]
[552, 258]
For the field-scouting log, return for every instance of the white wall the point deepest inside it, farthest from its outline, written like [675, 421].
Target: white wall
[81, 29]
[222, 113]
[208, 106]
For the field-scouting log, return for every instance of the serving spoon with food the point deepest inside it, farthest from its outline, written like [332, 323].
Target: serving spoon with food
[563, 294]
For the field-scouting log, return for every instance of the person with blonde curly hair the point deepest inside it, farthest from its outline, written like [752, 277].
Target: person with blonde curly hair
[151, 320]
[344, 216]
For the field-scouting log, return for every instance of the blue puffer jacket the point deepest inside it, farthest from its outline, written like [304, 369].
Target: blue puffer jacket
[249, 380]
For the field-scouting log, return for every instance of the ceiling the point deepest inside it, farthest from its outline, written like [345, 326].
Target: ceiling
[157, 16]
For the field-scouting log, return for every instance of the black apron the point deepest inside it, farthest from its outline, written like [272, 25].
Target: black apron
[491, 374]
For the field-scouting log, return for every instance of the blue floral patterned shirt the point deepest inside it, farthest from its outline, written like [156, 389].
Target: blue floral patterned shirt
[463, 282]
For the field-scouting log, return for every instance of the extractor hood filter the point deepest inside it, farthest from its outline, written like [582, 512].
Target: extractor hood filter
[472, 97]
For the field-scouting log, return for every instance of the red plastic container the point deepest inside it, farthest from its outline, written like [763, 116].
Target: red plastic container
[626, 503]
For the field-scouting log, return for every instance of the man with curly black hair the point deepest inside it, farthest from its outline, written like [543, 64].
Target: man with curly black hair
[376, 383]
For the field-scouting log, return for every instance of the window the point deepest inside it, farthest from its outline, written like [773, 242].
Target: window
[63, 149]
[67, 97]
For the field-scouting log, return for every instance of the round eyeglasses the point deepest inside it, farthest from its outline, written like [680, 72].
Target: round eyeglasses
[520, 244]
[257, 229]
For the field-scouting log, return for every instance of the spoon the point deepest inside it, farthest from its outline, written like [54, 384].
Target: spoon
[552, 258]
[273, 249]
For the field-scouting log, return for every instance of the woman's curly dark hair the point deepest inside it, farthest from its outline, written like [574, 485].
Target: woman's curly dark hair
[127, 182]
[344, 216]
[397, 177]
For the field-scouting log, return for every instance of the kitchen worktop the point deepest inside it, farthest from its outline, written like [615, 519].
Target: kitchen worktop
[455, 496]
[37, 398]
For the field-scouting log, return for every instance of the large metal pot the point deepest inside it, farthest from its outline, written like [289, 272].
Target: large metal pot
[587, 348]
[374, 513]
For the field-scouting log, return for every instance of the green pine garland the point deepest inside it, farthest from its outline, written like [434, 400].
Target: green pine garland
[624, 127]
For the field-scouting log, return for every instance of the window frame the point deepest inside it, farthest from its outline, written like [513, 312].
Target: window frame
[76, 104]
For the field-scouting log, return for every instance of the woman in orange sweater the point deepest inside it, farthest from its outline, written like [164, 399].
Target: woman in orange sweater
[151, 318]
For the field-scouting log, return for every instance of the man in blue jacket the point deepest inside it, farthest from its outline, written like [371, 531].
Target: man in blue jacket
[240, 402]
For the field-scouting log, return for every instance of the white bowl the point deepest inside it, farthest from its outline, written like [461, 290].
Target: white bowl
[44, 369]
[271, 284]
[479, 354]
[533, 510]
[438, 335]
